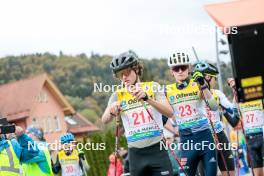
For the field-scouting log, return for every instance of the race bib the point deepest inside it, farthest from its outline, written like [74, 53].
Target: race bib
[186, 111]
[139, 124]
[140, 117]
[71, 170]
[253, 119]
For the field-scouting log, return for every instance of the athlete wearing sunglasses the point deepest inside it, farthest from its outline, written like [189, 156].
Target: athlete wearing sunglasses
[188, 96]
[140, 107]
[180, 68]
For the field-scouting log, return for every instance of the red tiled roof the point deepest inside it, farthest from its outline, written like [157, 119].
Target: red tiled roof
[17, 98]
[18, 115]
[82, 125]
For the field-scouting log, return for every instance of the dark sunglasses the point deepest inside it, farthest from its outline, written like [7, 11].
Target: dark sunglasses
[125, 72]
[180, 67]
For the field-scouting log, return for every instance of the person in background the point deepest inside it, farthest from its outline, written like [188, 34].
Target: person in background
[252, 116]
[115, 167]
[69, 160]
[15, 151]
[40, 165]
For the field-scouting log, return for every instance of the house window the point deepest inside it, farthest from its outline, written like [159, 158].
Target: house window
[49, 124]
[42, 123]
[69, 120]
[57, 123]
[42, 97]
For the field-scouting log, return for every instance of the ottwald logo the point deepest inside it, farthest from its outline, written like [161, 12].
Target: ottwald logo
[123, 104]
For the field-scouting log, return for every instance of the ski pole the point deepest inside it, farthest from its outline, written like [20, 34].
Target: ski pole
[147, 110]
[116, 141]
[175, 156]
[178, 161]
[237, 160]
[195, 54]
[211, 123]
[215, 135]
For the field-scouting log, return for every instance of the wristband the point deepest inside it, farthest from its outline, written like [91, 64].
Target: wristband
[203, 87]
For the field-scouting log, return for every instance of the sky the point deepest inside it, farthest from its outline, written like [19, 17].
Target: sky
[152, 28]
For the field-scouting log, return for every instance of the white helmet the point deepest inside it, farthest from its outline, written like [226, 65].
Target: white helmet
[178, 58]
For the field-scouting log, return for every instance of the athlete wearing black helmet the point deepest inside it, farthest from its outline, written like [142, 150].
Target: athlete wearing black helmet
[228, 109]
[140, 106]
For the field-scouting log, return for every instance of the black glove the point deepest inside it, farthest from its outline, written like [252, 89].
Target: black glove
[198, 77]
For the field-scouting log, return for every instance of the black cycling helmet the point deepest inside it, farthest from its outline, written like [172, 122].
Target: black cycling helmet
[124, 60]
[206, 68]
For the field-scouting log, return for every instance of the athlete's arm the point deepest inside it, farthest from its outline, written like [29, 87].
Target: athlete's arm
[112, 109]
[229, 110]
[26, 146]
[170, 128]
[198, 77]
[160, 102]
[209, 99]
[162, 106]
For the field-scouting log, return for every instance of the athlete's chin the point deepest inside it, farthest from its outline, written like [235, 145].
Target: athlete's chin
[127, 82]
[181, 77]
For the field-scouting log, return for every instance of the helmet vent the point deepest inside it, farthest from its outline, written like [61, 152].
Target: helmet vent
[130, 59]
[179, 57]
[123, 59]
[117, 62]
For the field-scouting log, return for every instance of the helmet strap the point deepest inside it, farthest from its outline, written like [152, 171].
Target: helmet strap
[208, 82]
[136, 70]
[183, 84]
[137, 80]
